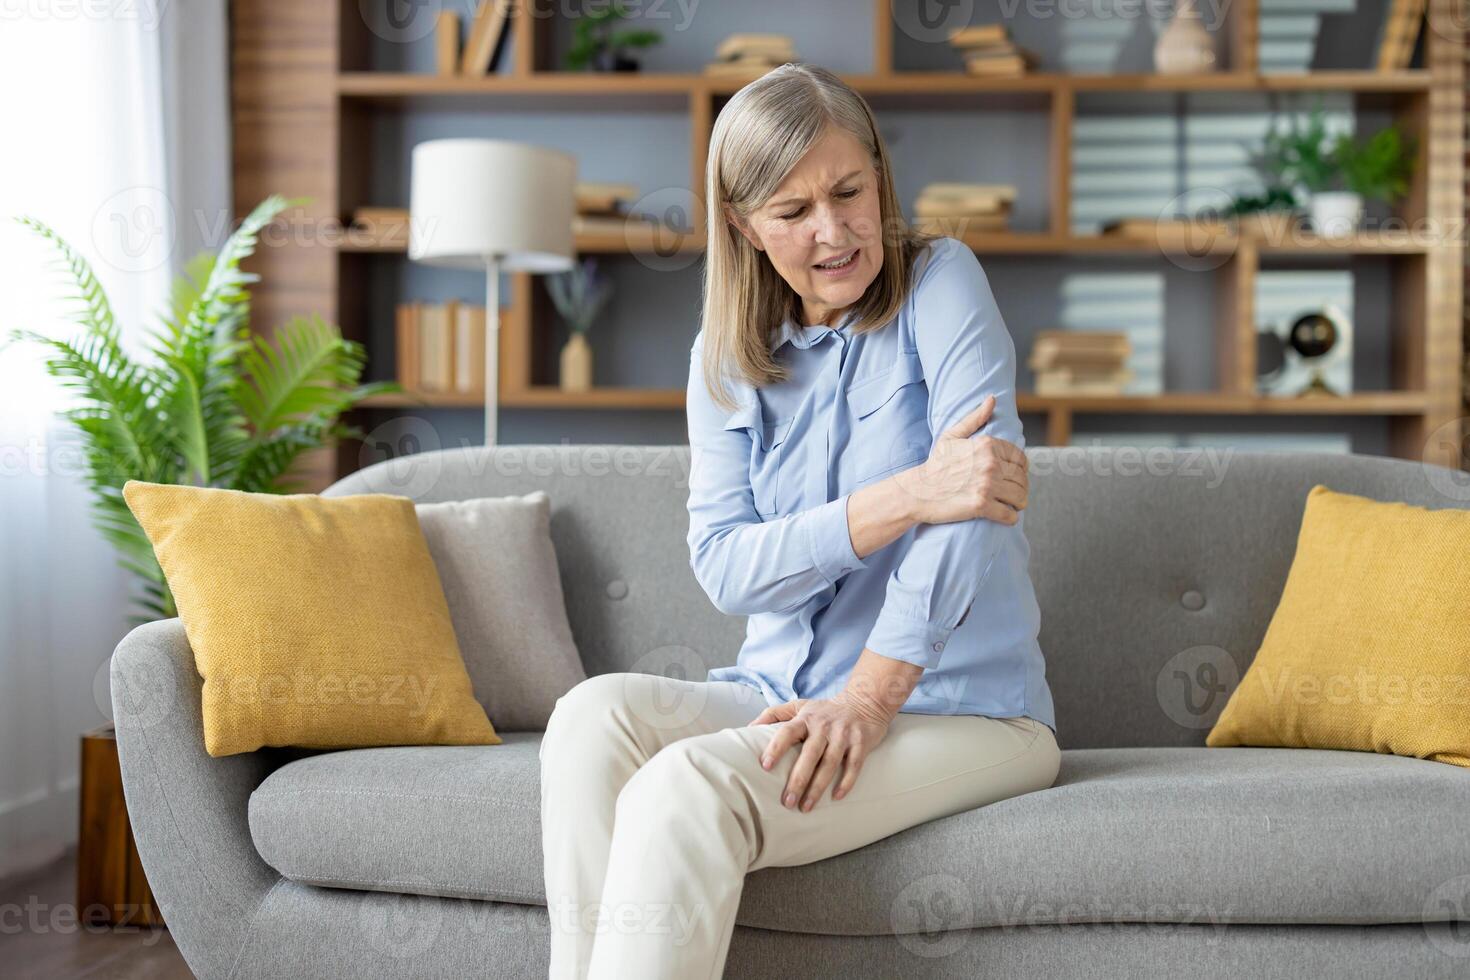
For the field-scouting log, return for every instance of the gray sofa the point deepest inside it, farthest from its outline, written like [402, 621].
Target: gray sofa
[1152, 855]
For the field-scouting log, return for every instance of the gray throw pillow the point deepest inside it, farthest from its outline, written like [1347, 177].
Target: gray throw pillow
[498, 568]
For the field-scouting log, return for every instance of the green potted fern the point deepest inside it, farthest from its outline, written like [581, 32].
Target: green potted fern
[213, 405]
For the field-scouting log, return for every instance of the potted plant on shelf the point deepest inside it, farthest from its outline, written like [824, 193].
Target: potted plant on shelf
[1338, 172]
[1374, 169]
[579, 294]
[596, 46]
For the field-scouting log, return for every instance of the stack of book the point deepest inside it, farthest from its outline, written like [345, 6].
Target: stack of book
[1080, 362]
[380, 226]
[988, 50]
[602, 209]
[958, 209]
[751, 55]
[441, 347]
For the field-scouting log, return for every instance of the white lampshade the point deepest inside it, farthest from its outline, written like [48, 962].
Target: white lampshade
[476, 200]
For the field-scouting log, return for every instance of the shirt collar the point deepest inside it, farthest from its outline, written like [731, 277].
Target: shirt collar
[803, 336]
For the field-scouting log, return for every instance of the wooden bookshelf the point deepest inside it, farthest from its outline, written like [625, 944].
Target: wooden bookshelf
[298, 74]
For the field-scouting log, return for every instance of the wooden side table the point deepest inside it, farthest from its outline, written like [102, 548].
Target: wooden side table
[109, 873]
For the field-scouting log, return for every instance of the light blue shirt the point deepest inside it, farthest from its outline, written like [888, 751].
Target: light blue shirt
[768, 489]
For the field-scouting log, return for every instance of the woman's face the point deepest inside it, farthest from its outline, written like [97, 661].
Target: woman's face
[826, 208]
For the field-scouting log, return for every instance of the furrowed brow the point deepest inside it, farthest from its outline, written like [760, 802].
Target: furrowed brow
[788, 201]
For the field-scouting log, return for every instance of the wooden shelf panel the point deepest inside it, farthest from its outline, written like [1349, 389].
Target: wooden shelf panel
[1214, 403]
[1367, 403]
[1015, 243]
[573, 87]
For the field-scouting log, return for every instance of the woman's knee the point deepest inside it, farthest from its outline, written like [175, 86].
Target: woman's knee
[586, 709]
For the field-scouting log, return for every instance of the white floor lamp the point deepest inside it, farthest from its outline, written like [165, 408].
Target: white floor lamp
[491, 205]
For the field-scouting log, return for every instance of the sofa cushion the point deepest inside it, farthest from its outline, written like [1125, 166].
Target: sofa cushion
[503, 585]
[1159, 835]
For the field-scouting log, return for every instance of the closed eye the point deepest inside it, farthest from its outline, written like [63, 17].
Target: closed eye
[845, 195]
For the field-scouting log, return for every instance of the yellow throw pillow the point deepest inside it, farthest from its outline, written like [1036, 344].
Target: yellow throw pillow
[315, 622]
[1369, 648]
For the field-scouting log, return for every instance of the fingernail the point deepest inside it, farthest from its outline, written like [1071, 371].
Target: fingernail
[807, 805]
[790, 799]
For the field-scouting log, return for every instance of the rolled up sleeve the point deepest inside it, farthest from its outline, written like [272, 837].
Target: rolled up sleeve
[746, 565]
[967, 353]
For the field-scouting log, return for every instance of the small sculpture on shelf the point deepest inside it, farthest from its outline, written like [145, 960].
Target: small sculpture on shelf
[1314, 336]
[1184, 47]
[579, 295]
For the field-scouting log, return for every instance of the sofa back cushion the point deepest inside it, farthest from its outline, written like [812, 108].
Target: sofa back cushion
[1156, 571]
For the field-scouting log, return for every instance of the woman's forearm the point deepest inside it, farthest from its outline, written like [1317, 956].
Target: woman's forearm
[878, 514]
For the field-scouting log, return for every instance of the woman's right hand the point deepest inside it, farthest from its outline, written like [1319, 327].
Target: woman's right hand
[968, 477]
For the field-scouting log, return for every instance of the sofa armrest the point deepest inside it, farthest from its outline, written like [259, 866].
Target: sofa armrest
[187, 809]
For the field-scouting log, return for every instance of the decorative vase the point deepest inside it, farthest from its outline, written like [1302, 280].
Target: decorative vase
[1184, 47]
[1336, 214]
[576, 363]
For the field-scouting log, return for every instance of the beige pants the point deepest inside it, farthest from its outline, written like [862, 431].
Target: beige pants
[654, 806]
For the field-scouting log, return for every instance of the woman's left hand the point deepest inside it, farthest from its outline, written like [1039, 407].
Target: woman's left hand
[836, 732]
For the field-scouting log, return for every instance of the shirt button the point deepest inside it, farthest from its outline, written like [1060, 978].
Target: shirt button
[938, 645]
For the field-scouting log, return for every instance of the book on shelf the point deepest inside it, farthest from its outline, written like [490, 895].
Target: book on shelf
[979, 34]
[440, 347]
[1064, 383]
[757, 45]
[1400, 33]
[604, 198]
[1017, 63]
[482, 49]
[1084, 355]
[446, 42]
[932, 206]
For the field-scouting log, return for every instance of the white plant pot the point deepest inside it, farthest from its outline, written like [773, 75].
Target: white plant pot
[1336, 214]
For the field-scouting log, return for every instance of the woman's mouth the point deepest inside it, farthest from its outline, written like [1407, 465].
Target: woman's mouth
[840, 265]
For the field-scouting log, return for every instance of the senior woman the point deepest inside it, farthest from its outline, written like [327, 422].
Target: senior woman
[856, 491]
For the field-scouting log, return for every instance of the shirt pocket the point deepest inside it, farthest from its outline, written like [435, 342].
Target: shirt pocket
[890, 419]
[767, 438]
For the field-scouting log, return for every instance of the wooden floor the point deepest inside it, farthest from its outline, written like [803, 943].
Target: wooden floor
[41, 938]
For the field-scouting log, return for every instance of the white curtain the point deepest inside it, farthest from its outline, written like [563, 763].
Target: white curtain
[117, 137]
